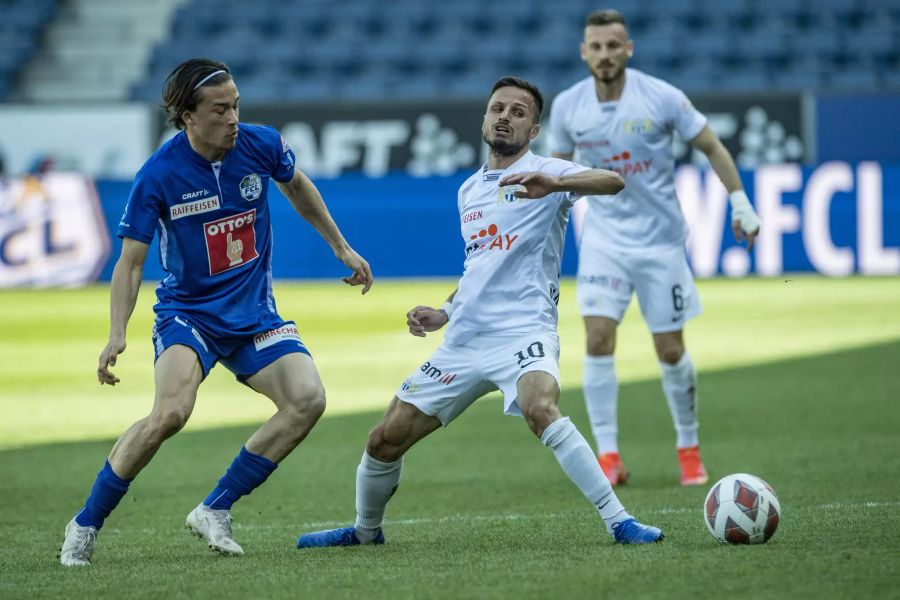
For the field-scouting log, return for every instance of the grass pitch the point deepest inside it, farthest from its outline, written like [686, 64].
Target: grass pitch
[798, 384]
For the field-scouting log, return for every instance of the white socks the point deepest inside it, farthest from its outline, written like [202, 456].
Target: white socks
[679, 382]
[376, 482]
[578, 461]
[601, 391]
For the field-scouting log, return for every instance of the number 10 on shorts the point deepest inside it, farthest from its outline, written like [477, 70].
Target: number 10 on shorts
[530, 355]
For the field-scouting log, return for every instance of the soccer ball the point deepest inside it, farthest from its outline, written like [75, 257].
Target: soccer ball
[742, 509]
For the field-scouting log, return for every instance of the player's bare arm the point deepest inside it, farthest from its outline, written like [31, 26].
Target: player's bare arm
[744, 221]
[307, 201]
[126, 282]
[594, 182]
[423, 319]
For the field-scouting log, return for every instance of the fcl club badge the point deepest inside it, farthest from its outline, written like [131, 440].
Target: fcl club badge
[506, 194]
[251, 187]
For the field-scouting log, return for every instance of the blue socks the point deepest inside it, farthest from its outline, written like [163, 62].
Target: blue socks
[108, 490]
[244, 475]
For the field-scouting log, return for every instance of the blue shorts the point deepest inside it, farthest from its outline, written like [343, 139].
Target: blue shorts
[243, 356]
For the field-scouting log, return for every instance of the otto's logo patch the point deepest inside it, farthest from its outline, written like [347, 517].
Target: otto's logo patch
[285, 333]
[194, 208]
[251, 187]
[230, 241]
[506, 194]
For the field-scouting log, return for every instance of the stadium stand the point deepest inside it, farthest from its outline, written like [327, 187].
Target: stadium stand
[373, 49]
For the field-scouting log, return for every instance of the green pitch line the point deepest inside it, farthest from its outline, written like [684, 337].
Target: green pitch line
[50, 340]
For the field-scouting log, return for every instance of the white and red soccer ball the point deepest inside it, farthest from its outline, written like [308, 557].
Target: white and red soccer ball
[742, 509]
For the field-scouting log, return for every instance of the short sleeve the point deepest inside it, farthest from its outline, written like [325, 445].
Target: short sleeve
[687, 120]
[143, 211]
[563, 168]
[561, 141]
[284, 159]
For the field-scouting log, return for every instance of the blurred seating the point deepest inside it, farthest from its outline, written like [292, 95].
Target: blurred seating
[371, 49]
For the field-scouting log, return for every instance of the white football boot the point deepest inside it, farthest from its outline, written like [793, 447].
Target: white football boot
[78, 545]
[215, 527]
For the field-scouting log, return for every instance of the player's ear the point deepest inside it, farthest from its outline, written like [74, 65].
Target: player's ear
[629, 47]
[535, 130]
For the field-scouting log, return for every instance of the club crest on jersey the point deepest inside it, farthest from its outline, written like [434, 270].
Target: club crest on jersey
[251, 187]
[506, 194]
[637, 125]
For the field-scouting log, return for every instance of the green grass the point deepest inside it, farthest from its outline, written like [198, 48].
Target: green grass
[798, 383]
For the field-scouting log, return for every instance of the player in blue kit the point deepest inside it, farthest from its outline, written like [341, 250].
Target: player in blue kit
[205, 193]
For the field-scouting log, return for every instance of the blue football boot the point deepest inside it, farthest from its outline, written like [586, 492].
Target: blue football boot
[345, 536]
[630, 531]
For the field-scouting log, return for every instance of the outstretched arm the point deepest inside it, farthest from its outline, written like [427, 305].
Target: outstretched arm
[123, 293]
[307, 201]
[744, 221]
[424, 319]
[593, 182]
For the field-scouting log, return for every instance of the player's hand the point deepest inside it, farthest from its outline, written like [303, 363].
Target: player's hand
[537, 185]
[108, 357]
[424, 319]
[744, 220]
[362, 274]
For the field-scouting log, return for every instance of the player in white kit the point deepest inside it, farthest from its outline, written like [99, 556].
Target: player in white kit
[502, 322]
[622, 119]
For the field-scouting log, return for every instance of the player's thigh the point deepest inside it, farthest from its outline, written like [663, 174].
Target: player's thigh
[604, 286]
[665, 289]
[446, 384]
[291, 381]
[178, 374]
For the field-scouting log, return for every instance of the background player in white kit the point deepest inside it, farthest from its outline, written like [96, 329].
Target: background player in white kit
[622, 119]
[502, 332]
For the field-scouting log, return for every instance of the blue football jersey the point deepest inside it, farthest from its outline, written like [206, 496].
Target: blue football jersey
[215, 239]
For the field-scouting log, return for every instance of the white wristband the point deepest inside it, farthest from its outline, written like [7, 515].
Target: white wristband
[447, 307]
[742, 211]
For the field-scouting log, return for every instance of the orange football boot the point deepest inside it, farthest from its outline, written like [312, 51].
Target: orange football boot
[613, 468]
[692, 470]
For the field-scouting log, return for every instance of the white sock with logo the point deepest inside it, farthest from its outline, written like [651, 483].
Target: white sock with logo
[601, 394]
[578, 461]
[376, 482]
[679, 383]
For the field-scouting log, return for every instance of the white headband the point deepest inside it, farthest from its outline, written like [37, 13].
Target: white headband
[208, 77]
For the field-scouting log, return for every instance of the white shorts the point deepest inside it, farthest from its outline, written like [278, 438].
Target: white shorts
[455, 376]
[661, 277]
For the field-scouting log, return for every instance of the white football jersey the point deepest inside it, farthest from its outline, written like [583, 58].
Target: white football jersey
[513, 251]
[633, 137]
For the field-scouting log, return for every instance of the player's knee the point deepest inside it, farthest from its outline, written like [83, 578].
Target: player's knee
[165, 423]
[600, 343]
[670, 353]
[381, 447]
[307, 407]
[540, 413]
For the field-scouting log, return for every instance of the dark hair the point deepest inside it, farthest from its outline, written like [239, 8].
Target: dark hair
[607, 16]
[524, 85]
[180, 91]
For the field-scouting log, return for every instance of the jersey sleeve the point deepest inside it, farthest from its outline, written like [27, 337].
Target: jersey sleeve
[561, 141]
[143, 211]
[686, 120]
[283, 157]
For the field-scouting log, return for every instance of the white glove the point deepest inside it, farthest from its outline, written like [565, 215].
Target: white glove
[744, 220]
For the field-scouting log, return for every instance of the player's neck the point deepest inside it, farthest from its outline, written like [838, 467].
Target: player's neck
[610, 91]
[210, 153]
[498, 162]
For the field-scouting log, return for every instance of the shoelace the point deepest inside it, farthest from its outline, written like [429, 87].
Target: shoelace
[85, 542]
[223, 519]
